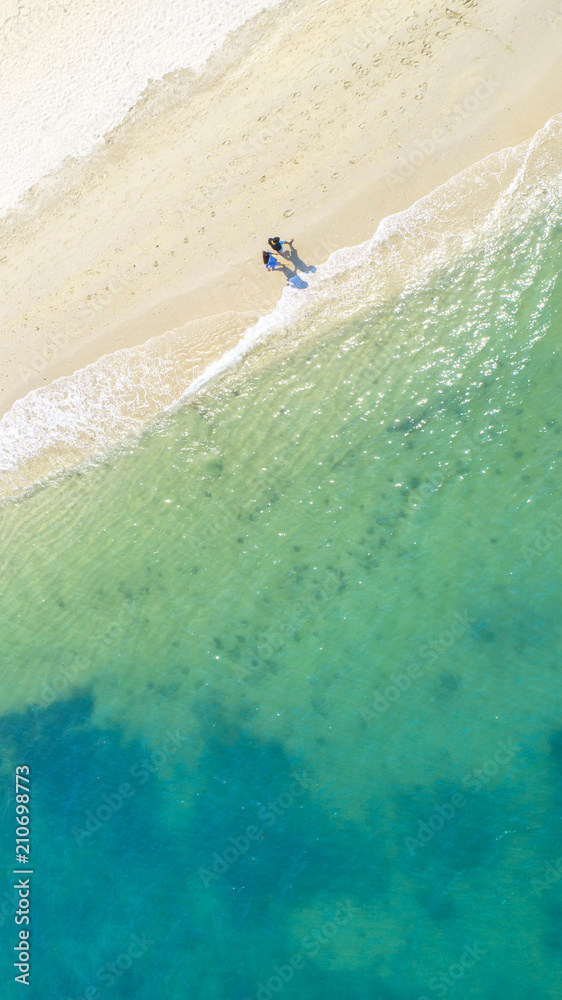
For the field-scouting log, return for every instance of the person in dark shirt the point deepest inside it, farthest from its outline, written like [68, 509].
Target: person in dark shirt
[277, 244]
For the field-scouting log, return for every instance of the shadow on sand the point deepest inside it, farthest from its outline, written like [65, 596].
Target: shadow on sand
[298, 264]
[293, 279]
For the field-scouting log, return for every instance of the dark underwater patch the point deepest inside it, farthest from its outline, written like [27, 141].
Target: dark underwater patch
[553, 924]
[555, 746]
[301, 851]
[442, 836]
[92, 890]
[137, 874]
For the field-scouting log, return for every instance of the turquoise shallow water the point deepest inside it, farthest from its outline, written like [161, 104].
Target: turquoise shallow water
[286, 670]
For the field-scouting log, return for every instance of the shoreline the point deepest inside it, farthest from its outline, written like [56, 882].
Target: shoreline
[135, 250]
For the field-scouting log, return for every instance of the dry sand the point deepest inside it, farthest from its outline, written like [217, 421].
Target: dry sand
[316, 121]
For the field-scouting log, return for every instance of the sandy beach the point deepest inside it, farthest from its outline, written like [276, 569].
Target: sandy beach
[316, 121]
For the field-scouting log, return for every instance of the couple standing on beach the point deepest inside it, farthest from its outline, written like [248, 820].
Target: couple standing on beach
[270, 262]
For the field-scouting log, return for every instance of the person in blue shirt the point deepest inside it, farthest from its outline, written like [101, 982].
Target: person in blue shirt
[270, 262]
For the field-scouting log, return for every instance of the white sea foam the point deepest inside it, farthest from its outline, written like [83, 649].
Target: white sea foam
[71, 69]
[79, 417]
[505, 189]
